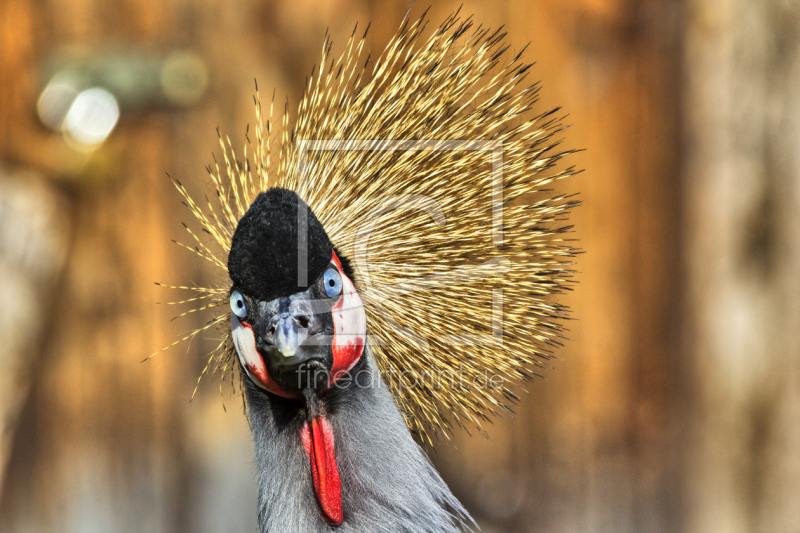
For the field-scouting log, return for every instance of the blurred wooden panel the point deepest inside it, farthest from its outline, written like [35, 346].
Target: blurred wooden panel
[743, 240]
[107, 443]
[34, 236]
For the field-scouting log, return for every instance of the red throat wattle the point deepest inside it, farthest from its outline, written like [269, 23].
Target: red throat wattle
[318, 442]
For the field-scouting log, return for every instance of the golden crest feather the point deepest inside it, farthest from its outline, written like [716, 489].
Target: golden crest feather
[430, 172]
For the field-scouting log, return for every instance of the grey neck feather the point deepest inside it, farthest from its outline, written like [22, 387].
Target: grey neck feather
[388, 483]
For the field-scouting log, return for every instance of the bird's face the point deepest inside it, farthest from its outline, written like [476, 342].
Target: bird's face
[306, 340]
[295, 341]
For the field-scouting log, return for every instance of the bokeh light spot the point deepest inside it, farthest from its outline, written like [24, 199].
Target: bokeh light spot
[92, 116]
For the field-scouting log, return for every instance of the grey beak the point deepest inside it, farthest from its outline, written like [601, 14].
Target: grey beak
[289, 336]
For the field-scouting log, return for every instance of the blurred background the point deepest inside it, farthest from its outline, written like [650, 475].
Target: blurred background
[677, 406]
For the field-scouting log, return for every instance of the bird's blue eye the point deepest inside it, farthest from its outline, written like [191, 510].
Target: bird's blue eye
[237, 304]
[333, 282]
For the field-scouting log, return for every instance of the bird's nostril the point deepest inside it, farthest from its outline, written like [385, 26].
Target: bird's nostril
[272, 329]
[303, 321]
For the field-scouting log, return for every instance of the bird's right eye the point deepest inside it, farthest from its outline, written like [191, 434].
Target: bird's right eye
[237, 304]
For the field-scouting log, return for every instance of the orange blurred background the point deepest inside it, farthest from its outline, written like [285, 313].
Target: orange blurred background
[675, 408]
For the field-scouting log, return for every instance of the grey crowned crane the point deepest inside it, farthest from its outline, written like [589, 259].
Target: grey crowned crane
[315, 400]
[385, 278]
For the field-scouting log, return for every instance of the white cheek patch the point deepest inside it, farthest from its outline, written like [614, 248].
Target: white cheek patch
[350, 327]
[349, 317]
[245, 341]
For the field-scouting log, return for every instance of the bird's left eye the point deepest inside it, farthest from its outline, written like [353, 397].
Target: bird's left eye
[237, 304]
[333, 283]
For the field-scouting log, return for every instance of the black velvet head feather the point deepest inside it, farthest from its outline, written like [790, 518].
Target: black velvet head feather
[263, 261]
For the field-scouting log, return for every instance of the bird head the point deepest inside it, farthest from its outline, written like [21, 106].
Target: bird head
[297, 320]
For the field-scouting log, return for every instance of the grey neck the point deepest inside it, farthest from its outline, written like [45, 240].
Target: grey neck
[388, 483]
